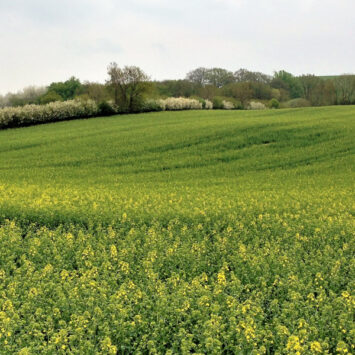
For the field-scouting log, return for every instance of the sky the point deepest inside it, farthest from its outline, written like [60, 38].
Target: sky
[43, 41]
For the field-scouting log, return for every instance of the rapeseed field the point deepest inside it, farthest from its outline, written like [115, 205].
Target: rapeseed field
[206, 232]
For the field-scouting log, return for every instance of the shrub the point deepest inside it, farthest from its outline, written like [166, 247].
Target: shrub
[217, 103]
[227, 105]
[135, 106]
[238, 105]
[176, 103]
[199, 99]
[153, 106]
[107, 108]
[181, 103]
[54, 111]
[273, 103]
[297, 103]
[208, 105]
[253, 105]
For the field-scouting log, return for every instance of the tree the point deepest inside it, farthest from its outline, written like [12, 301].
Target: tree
[50, 96]
[95, 91]
[244, 75]
[284, 80]
[175, 88]
[219, 77]
[309, 83]
[129, 84]
[261, 91]
[213, 76]
[324, 93]
[317, 91]
[240, 91]
[29, 95]
[208, 92]
[345, 89]
[67, 89]
[3, 101]
[198, 76]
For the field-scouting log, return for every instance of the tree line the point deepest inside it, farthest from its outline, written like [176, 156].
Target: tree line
[129, 87]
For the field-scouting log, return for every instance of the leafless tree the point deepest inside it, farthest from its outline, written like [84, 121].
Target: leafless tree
[309, 83]
[345, 89]
[198, 76]
[245, 75]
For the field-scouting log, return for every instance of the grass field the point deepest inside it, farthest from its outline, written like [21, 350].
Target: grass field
[179, 232]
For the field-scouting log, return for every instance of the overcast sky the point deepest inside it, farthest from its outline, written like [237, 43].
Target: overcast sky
[50, 40]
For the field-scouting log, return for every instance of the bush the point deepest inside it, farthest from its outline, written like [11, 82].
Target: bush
[238, 105]
[227, 105]
[208, 105]
[180, 103]
[152, 106]
[273, 103]
[297, 103]
[136, 106]
[176, 103]
[107, 108]
[54, 111]
[256, 106]
[218, 103]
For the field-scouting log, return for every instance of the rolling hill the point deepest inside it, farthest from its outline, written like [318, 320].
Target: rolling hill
[178, 232]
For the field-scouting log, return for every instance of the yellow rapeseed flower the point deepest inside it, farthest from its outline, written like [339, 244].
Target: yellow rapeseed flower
[316, 347]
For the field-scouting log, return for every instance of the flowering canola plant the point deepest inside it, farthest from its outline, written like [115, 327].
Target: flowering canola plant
[170, 243]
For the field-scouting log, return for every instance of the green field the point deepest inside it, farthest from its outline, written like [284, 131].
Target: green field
[179, 232]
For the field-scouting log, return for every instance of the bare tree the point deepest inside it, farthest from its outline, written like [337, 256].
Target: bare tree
[198, 76]
[210, 76]
[324, 93]
[245, 75]
[345, 89]
[129, 84]
[309, 83]
[219, 77]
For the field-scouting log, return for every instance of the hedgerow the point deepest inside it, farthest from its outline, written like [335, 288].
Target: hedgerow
[179, 103]
[256, 106]
[72, 109]
[52, 112]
